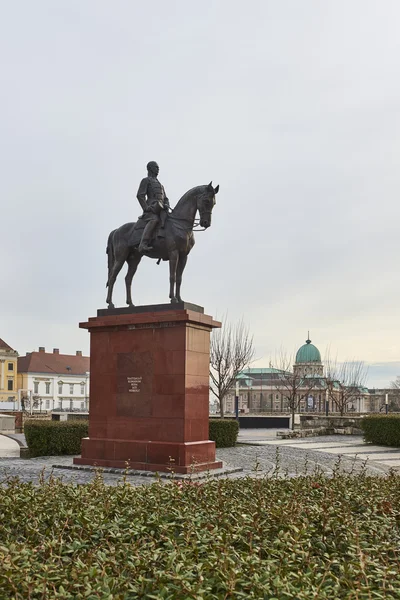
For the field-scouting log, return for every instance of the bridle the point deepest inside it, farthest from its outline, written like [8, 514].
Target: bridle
[196, 226]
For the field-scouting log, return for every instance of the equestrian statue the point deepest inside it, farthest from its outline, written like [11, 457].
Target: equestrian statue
[160, 233]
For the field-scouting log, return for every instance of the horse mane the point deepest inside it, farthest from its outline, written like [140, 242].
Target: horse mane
[187, 196]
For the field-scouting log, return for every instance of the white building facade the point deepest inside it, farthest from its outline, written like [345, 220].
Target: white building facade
[54, 381]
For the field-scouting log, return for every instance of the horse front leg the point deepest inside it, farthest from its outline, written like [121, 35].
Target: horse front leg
[133, 262]
[179, 270]
[173, 263]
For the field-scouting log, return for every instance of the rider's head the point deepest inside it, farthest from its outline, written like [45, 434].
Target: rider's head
[153, 168]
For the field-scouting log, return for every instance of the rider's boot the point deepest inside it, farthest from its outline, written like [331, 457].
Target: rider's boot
[144, 245]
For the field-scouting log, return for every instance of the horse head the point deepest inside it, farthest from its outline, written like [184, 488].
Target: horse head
[206, 203]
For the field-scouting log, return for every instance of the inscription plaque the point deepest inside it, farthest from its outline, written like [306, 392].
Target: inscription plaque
[134, 384]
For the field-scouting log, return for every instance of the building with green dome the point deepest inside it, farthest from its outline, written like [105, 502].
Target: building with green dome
[308, 360]
[265, 390]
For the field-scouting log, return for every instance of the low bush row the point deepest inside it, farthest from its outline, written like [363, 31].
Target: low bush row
[224, 432]
[382, 429]
[48, 438]
[310, 537]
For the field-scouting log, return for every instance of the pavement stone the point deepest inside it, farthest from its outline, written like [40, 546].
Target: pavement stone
[8, 447]
[253, 460]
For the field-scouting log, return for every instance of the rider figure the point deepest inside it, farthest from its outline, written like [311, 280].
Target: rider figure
[155, 207]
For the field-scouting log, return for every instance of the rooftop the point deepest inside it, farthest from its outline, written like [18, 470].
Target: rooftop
[6, 347]
[54, 362]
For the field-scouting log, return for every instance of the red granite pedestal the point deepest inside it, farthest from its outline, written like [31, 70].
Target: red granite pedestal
[149, 389]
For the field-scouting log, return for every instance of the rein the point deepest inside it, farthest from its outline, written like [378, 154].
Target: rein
[194, 227]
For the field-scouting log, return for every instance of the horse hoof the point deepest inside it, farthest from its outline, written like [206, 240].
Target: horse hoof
[130, 304]
[174, 300]
[110, 305]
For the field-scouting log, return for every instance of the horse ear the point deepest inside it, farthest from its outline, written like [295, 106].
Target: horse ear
[210, 185]
[216, 190]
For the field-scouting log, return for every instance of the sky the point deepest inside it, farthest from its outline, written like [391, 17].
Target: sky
[293, 108]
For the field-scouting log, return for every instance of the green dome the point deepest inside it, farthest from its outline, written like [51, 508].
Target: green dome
[308, 353]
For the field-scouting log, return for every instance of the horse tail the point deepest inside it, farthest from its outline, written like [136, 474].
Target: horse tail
[110, 254]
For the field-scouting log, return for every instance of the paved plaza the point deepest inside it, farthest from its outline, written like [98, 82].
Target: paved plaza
[257, 454]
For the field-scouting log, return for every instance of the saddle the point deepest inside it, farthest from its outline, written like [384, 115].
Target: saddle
[137, 231]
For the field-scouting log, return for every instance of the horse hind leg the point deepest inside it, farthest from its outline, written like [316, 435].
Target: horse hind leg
[133, 262]
[115, 269]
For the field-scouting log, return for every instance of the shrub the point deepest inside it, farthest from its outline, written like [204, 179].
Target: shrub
[224, 432]
[382, 429]
[49, 438]
[311, 537]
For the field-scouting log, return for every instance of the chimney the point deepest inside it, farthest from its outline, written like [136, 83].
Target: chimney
[42, 349]
[56, 351]
[79, 353]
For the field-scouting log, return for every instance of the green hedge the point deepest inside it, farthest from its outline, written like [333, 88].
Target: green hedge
[304, 538]
[382, 429]
[224, 432]
[50, 438]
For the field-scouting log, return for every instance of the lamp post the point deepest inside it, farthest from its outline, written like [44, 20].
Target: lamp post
[237, 400]
[386, 403]
[326, 402]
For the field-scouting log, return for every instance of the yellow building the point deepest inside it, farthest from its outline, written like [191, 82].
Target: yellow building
[8, 373]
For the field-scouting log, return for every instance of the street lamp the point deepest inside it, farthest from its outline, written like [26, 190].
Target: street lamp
[237, 400]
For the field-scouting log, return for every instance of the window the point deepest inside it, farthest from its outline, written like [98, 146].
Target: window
[277, 397]
[82, 388]
[82, 405]
[10, 384]
[47, 387]
[71, 388]
[47, 404]
[60, 388]
[11, 366]
[71, 404]
[35, 387]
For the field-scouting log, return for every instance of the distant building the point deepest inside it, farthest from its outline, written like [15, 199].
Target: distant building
[261, 389]
[54, 381]
[8, 373]
[377, 399]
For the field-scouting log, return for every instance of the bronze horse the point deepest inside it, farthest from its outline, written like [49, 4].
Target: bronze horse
[173, 242]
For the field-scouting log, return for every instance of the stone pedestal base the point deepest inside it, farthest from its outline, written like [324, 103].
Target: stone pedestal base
[189, 457]
[149, 390]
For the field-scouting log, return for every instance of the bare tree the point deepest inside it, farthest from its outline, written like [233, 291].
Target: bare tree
[293, 384]
[344, 381]
[231, 350]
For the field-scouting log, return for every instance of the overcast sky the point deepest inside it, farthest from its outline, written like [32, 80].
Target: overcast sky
[292, 107]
